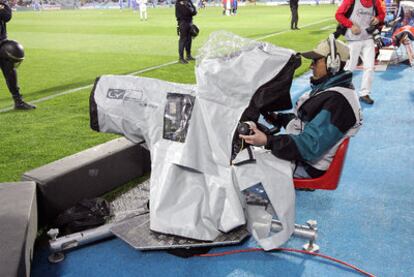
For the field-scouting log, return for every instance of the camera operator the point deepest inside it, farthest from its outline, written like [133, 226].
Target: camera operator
[184, 12]
[361, 18]
[11, 55]
[322, 118]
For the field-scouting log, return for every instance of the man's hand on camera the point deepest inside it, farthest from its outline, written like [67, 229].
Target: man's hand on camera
[355, 29]
[374, 21]
[257, 139]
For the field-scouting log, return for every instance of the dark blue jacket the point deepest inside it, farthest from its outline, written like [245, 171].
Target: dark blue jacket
[185, 10]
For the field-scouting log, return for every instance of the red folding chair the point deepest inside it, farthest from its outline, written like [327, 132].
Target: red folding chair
[330, 179]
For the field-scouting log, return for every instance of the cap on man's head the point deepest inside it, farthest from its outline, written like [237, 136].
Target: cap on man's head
[323, 50]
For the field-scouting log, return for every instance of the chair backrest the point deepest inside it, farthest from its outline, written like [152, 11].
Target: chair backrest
[330, 179]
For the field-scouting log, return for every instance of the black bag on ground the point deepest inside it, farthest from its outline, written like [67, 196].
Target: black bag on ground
[86, 214]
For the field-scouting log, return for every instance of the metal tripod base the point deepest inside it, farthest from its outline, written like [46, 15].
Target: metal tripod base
[136, 232]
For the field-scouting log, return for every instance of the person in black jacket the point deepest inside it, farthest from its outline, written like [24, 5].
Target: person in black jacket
[11, 55]
[323, 117]
[294, 5]
[184, 12]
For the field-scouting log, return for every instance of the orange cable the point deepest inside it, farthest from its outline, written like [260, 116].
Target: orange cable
[287, 250]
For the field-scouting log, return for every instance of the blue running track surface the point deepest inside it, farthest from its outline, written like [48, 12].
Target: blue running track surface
[368, 221]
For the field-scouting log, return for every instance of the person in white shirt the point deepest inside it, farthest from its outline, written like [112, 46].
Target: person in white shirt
[143, 9]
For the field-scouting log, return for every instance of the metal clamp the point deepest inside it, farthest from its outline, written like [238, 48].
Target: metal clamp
[311, 246]
[308, 231]
[55, 257]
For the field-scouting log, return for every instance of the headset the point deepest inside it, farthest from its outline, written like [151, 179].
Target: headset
[333, 60]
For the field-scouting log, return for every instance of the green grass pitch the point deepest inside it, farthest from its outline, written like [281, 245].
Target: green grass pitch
[69, 49]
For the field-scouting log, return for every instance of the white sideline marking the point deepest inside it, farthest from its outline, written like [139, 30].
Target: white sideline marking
[87, 86]
[303, 26]
[328, 27]
[147, 69]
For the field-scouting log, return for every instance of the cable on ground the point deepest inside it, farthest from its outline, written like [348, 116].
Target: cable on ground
[287, 250]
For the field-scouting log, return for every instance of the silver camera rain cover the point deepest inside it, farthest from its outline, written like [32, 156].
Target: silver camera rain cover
[195, 191]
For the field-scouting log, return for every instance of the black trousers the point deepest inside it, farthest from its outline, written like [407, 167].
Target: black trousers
[185, 39]
[10, 74]
[295, 17]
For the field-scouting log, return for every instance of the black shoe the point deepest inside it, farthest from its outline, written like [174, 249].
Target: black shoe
[182, 61]
[21, 105]
[190, 58]
[366, 99]
[296, 28]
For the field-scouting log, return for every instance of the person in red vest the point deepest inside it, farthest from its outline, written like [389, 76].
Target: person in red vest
[361, 17]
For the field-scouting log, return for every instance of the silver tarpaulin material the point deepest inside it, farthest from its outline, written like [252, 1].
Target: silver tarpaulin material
[195, 192]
